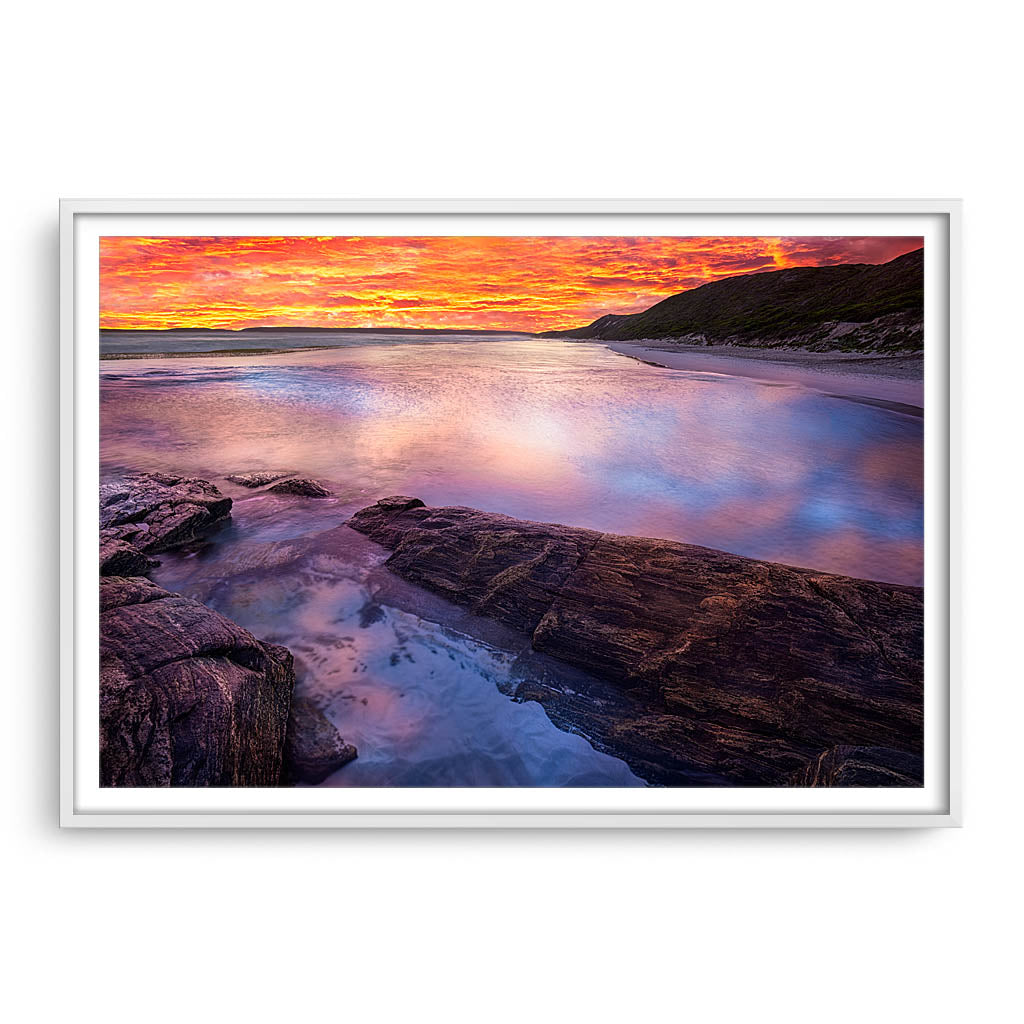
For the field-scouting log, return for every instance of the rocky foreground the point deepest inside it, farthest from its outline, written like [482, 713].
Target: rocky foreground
[188, 697]
[720, 670]
[144, 513]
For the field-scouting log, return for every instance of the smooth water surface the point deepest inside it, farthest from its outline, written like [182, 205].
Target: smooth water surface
[547, 430]
[544, 430]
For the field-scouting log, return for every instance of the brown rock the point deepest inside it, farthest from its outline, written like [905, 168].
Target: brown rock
[724, 670]
[863, 766]
[156, 511]
[119, 558]
[187, 697]
[258, 479]
[313, 747]
[302, 487]
[507, 568]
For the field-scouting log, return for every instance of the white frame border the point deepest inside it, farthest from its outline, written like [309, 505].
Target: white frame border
[71, 817]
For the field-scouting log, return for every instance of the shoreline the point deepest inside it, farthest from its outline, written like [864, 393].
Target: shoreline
[893, 382]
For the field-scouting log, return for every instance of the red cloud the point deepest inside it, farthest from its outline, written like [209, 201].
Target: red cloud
[511, 283]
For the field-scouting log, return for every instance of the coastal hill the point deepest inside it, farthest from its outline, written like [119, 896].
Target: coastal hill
[850, 307]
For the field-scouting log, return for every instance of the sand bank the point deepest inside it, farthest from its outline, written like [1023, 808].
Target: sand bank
[892, 381]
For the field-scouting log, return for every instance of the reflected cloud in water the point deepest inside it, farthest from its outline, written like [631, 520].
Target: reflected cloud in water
[547, 430]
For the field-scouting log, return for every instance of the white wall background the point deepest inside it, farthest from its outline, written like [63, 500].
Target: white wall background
[547, 99]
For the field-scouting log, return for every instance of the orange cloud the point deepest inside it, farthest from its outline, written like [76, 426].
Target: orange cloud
[498, 283]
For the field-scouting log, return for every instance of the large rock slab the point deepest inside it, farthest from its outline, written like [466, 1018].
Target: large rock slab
[725, 670]
[863, 766]
[506, 568]
[187, 697]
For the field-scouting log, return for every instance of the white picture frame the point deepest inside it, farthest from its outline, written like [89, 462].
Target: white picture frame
[82, 804]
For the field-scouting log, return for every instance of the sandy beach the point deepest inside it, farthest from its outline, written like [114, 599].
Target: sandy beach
[896, 382]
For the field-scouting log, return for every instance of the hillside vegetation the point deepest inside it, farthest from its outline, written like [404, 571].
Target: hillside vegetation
[862, 307]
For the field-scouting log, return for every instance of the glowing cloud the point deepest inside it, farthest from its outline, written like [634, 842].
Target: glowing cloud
[498, 283]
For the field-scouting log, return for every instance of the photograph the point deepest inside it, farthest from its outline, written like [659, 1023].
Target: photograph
[494, 485]
[511, 511]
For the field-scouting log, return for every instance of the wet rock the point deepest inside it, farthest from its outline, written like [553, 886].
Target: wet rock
[260, 479]
[863, 766]
[156, 511]
[384, 521]
[313, 747]
[302, 487]
[724, 670]
[120, 558]
[370, 613]
[506, 568]
[187, 697]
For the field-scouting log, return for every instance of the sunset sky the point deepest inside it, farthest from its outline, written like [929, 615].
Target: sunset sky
[503, 283]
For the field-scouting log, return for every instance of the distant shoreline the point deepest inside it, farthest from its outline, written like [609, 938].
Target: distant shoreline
[264, 341]
[216, 352]
[232, 332]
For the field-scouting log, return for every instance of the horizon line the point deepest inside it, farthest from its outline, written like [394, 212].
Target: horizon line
[327, 330]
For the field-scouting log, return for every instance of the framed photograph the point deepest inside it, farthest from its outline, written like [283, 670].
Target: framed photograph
[509, 514]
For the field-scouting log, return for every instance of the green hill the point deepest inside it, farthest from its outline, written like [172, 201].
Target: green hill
[852, 306]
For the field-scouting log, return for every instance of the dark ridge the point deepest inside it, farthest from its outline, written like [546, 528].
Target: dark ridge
[800, 306]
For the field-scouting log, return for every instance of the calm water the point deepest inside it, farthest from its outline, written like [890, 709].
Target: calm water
[542, 430]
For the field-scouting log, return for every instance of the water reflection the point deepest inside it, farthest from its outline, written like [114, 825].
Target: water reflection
[542, 430]
[546, 430]
[419, 687]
